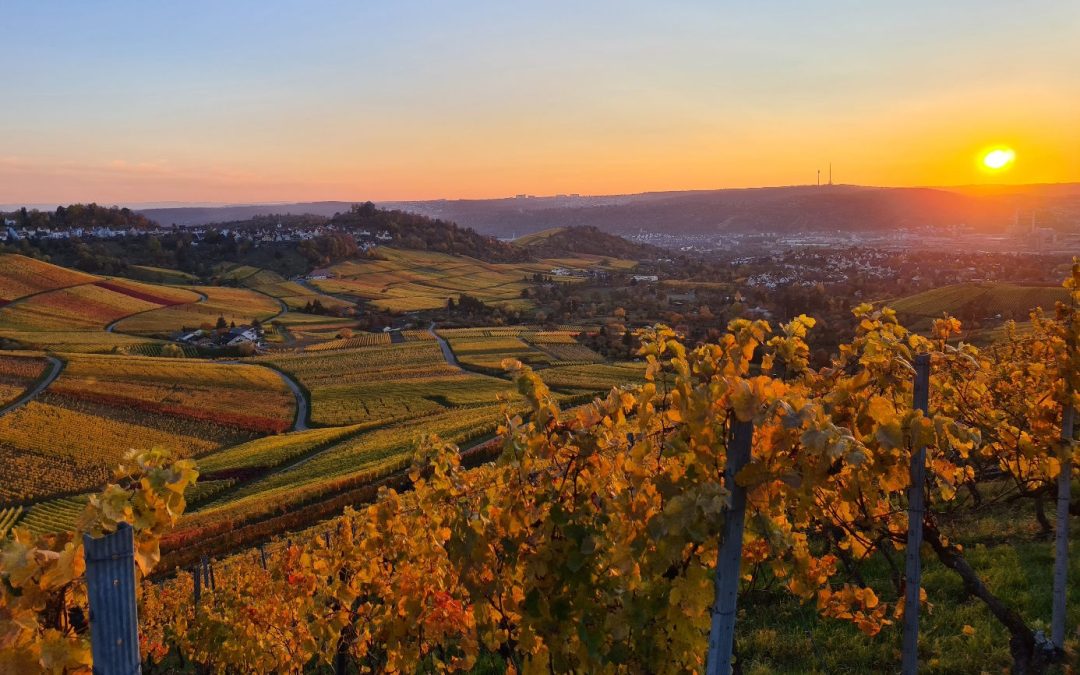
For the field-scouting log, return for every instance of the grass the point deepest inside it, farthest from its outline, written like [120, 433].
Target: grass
[777, 634]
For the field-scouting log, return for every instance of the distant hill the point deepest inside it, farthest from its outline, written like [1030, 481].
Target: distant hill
[771, 209]
[188, 216]
[561, 241]
[782, 209]
[414, 231]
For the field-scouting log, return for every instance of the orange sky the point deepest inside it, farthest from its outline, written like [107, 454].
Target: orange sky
[247, 103]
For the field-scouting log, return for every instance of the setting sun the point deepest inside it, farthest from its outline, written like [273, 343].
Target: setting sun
[999, 159]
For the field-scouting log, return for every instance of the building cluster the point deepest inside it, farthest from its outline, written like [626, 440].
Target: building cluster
[232, 336]
[279, 232]
[12, 232]
[811, 267]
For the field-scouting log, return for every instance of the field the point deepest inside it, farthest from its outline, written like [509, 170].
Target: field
[161, 275]
[406, 281]
[371, 395]
[85, 342]
[21, 276]
[976, 302]
[351, 463]
[89, 306]
[69, 439]
[295, 295]
[17, 374]
[485, 349]
[384, 382]
[239, 305]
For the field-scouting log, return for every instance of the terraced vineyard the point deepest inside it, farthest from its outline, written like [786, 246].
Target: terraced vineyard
[407, 281]
[385, 382]
[976, 302]
[236, 305]
[54, 515]
[292, 293]
[486, 349]
[370, 395]
[71, 437]
[17, 374]
[90, 306]
[8, 516]
[21, 276]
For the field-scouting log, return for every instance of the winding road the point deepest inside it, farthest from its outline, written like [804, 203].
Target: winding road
[447, 353]
[32, 393]
[301, 400]
[302, 404]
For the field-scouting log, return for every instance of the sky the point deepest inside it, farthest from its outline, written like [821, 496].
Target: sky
[237, 101]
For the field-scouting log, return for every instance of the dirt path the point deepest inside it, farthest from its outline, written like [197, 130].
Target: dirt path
[57, 367]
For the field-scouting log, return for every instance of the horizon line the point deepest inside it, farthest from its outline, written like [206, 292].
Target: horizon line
[195, 204]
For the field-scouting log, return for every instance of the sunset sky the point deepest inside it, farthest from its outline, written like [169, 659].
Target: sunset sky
[134, 102]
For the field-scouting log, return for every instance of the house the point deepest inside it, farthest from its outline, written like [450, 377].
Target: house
[645, 277]
[240, 335]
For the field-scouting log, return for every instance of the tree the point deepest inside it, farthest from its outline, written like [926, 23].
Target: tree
[221, 323]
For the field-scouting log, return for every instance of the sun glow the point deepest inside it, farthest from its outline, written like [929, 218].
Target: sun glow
[998, 159]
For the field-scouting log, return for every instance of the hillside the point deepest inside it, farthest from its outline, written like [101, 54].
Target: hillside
[78, 216]
[976, 303]
[587, 240]
[775, 209]
[409, 230]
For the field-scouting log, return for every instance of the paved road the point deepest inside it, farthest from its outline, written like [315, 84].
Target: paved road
[301, 400]
[57, 366]
[447, 353]
[302, 403]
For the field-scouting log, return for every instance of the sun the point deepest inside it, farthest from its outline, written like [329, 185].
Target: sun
[998, 159]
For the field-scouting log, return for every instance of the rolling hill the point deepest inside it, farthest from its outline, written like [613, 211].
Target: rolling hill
[777, 209]
[981, 303]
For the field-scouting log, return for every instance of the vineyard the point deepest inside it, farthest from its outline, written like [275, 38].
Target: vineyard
[592, 543]
[236, 305]
[112, 404]
[636, 476]
[293, 294]
[21, 276]
[484, 350]
[17, 373]
[406, 281]
[975, 301]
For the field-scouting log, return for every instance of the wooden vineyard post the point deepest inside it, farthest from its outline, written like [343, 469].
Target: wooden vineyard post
[1061, 549]
[196, 576]
[110, 590]
[729, 557]
[916, 512]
